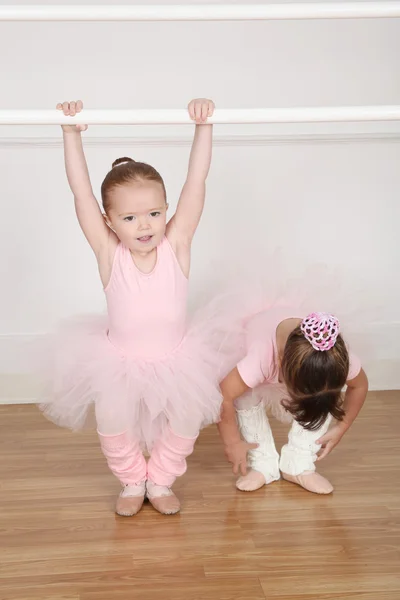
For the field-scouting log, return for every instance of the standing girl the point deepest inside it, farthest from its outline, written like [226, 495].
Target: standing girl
[151, 378]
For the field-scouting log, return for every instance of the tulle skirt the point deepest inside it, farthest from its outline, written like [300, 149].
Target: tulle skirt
[87, 382]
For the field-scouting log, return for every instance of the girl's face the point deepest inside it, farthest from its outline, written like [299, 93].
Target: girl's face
[138, 215]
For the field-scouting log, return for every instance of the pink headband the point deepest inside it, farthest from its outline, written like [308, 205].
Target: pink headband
[321, 330]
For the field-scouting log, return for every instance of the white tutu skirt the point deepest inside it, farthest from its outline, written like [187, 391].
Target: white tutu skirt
[85, 376]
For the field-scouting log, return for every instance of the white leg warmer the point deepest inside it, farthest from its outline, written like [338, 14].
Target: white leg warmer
[300, 453]
[255, 428]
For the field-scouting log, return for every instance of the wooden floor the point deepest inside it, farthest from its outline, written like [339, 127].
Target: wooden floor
[60, 540]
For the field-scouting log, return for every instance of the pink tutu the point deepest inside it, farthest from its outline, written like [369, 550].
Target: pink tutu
[84, 373]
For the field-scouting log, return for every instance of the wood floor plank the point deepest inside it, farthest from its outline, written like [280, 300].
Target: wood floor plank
[337, 584]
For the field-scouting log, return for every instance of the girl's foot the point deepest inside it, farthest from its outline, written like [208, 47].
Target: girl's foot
[254, 480]
[162, 498]
[250, 482]
[130, 500]
[311, 481]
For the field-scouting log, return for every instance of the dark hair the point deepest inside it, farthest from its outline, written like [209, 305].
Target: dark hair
[314, 380]
[128, 170]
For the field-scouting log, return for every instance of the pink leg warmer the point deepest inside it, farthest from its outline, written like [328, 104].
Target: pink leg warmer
[168, 458]
[124, 457]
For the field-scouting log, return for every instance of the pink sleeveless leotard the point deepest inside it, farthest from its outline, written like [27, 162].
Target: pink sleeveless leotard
[147, 311]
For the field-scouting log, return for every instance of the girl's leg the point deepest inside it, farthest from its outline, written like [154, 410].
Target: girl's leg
[167, 462]
[255, 428]
[299, 455]
[124, 458]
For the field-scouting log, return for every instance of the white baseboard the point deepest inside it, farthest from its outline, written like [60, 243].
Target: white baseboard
[18, 388]
[17, 401]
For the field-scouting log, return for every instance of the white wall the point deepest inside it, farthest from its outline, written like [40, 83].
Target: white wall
[266, 185]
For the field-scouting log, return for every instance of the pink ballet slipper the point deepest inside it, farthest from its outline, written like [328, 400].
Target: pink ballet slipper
[162, 498]
[130, 500]
[253, 480]
[310, 481]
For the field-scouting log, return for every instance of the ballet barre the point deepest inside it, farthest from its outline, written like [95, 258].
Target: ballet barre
[205, 12]
[221, 116]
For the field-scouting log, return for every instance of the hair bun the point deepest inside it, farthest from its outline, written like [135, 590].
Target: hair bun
[120, 161]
